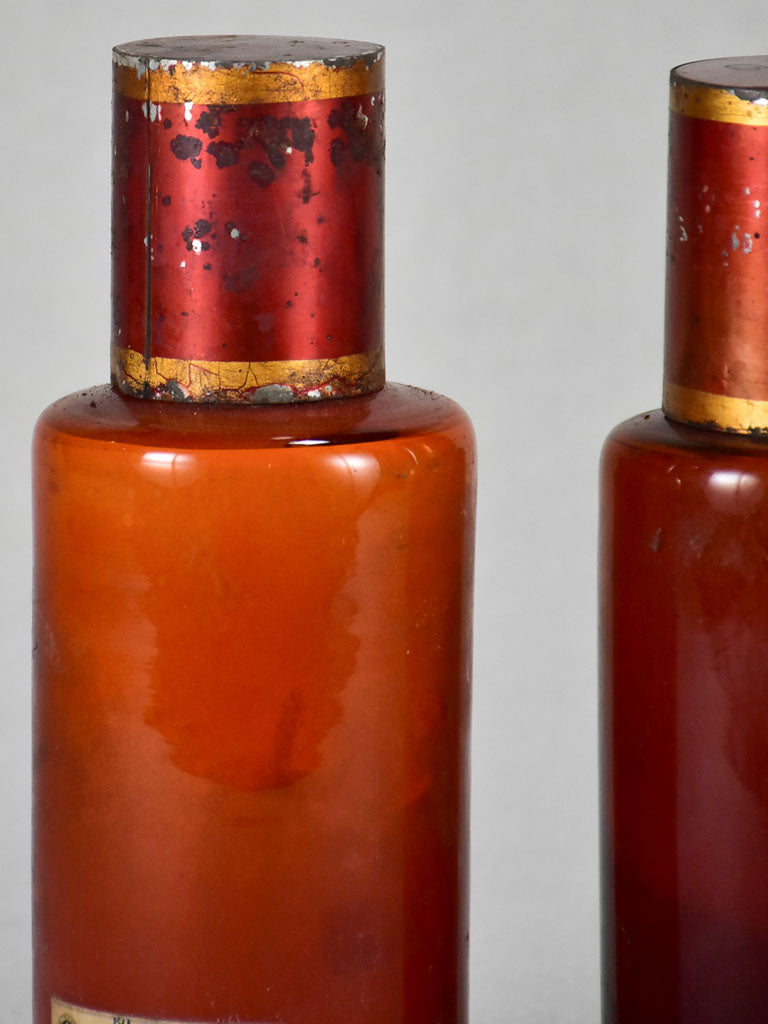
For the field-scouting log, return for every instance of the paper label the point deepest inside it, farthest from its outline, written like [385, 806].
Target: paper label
[64, 1013]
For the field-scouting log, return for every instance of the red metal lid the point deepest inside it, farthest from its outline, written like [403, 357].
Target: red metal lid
[248, 218]
[716, 362]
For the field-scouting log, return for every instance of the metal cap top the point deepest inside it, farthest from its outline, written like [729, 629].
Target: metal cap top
[738, 73]
[254, 51]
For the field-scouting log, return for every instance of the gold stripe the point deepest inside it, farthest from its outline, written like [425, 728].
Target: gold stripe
[739, 415]
[711, 104]
[280, 83]
[209, 380]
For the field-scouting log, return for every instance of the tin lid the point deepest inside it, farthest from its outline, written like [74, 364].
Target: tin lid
[716, 354]
[248, 218]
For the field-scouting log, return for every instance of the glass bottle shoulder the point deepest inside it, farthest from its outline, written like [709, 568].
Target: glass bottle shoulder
[651, 455]
[651, 433]
[100, 415]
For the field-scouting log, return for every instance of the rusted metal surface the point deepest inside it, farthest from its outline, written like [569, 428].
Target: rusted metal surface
[716, 365]
[248, 219]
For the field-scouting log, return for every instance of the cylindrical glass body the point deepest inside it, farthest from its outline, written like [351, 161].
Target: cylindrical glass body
[252, 637]
[684, 579]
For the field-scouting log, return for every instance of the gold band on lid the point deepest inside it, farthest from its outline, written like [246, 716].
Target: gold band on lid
[288, 379]
[736, 415]
[727, 89]
[281, 83]
[714, 104]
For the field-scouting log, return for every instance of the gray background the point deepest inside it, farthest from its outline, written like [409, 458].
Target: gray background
[526, 191]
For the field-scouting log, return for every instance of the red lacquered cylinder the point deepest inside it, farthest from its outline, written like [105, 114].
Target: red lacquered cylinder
[248, 219]
[716, 359]
[684, 596]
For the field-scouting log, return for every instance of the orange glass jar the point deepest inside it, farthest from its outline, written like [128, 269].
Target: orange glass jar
[253, 634]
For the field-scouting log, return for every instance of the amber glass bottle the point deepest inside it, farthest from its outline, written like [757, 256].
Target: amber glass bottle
[253, 578]
[684, 579]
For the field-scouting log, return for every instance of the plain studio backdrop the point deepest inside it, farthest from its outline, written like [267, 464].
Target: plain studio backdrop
[525, 261]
